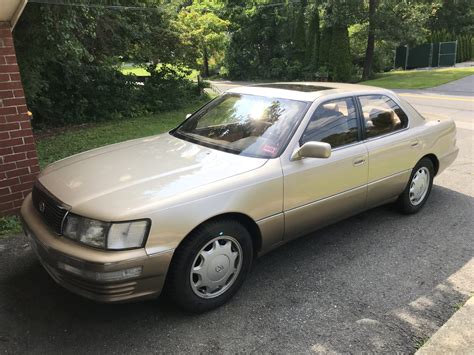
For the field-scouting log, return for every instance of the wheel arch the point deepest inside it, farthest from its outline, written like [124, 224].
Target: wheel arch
[245, 220]
[434, 160]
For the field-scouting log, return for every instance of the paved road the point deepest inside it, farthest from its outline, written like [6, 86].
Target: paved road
[464, 86]
[378, 282]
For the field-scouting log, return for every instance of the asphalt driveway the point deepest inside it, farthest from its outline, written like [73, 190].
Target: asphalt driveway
[378, 281]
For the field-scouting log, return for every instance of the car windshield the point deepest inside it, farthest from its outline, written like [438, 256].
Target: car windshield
[255, 126]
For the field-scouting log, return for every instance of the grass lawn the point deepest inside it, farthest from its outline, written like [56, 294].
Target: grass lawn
[136, 70]
[418, 79]
[76, 139]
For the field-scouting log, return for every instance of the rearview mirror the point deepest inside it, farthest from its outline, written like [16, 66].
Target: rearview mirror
[312, 150]
[188, 115]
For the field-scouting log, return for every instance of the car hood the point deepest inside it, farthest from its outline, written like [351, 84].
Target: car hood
[111, 182]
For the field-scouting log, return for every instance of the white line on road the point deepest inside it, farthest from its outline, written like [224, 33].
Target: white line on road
[439, 97]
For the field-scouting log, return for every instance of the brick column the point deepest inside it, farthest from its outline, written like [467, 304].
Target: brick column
[18, 158]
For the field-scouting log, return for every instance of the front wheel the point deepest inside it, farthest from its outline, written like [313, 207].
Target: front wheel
[418, 188]
[210, 266]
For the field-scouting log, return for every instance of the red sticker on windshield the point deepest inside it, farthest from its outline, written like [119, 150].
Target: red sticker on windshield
[269, 149]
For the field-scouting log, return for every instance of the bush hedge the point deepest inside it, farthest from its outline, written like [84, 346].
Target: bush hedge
[70, 60]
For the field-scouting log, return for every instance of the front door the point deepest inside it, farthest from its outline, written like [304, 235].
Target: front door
[320, 191]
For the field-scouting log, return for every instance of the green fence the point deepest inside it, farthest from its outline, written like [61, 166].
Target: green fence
[401, 57]
[465, 46]
[447, 53]
[440, 54]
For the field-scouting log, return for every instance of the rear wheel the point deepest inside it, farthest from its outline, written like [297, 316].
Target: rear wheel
[210, 265]
[418, 188]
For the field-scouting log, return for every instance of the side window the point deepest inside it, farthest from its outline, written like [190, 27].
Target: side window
[334, 122]
[382, 115]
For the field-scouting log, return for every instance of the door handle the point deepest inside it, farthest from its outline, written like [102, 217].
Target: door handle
[358, 161]
[414, 144]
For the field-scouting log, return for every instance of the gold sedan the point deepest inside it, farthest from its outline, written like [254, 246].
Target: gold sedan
[189, 210]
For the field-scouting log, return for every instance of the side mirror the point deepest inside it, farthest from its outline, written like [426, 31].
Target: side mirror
[312, 150]
[188, 115]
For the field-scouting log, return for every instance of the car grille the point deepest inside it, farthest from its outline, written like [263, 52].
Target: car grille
[51, 210]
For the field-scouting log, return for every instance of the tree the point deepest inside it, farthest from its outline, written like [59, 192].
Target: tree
[382, 26]
[260, 39]
[338, 15]
[340, 65]
[326, 42]
[313, 39]
[70, 59]
[455, 16]
[369, 53]
[402, 22]
[202, 29]
[300, 33]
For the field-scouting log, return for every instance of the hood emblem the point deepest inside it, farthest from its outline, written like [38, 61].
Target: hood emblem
[41, 206]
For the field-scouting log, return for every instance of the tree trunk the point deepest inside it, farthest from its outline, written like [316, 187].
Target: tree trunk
[369, 53]
[312, 38]
[300, 33]
[206, 63]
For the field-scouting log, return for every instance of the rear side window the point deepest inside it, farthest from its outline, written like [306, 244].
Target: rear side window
[334, 122]
[382, 115]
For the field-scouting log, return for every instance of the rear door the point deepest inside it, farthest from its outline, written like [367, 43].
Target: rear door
[390, 146]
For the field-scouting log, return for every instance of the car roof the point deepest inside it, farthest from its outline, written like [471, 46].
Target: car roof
[305, 91]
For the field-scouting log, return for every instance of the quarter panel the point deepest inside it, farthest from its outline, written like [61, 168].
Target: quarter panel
[439, 138]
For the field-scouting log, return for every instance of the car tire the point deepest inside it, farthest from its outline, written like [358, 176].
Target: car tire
[210, 265]
[418, 189]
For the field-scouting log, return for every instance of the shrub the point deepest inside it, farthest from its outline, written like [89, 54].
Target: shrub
[167, 88]
[69, 59]
[84, 93]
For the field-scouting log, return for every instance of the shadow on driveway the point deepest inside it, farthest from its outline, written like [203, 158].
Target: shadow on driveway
[378, 281]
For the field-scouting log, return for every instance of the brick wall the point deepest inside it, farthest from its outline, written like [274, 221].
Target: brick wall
[18, 159]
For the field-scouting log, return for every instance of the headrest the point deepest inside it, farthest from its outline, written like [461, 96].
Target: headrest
[381, 118]
[331, 107]
[329, 110]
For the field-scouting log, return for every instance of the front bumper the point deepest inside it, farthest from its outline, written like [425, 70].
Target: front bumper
[64, 259]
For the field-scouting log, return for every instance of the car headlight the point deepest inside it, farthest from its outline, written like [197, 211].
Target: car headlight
[85, 230]
[127, 235]
[106, 235]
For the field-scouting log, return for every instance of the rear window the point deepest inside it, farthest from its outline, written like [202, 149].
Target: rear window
[382, 115]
